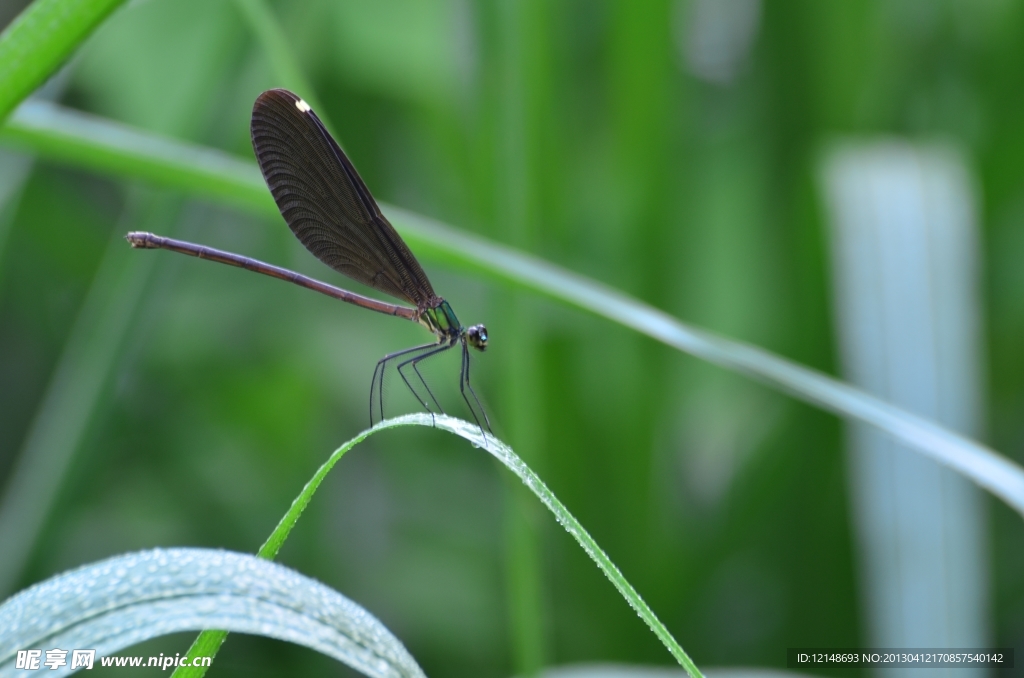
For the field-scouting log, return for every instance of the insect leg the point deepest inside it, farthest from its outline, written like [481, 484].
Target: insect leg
[464, 384]
[377, 384]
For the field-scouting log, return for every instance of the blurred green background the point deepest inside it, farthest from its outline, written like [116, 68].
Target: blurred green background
[594, 134]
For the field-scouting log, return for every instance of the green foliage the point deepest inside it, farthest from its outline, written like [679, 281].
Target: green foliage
[209, 641]
[94, 144]
[573, 131]
[40, 40]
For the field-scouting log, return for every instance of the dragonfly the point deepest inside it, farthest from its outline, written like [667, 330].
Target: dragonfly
[331, 211]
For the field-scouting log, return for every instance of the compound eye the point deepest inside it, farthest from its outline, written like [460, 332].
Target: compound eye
[477, 336]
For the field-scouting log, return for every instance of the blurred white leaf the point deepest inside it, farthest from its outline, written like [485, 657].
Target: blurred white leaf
[116, 603]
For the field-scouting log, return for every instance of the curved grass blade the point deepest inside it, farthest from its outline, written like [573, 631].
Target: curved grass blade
[208, 642]
[999, 475]
[506, 456]
[59, 134]
[42, 38]
[116, 603]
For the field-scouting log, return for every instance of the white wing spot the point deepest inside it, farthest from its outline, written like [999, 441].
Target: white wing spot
[302, 106]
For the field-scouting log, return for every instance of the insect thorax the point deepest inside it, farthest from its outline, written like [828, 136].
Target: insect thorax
[441, 321]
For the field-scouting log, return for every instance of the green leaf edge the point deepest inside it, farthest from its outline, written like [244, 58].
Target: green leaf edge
[40, 39]
[208, 642]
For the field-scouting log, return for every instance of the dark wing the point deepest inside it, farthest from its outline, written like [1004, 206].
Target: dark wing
[326, 204]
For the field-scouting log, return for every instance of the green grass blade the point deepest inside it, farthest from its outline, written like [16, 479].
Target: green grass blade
[175, 165]
[206, 644]
[14, 172]
[278, 52]
[94, 143]
[516, 26]
[505, 455]
[992, 471]
[116, 603]
[40, 39]
[209, 641]
[74, 393]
